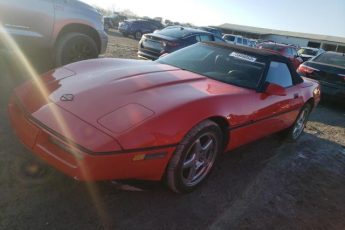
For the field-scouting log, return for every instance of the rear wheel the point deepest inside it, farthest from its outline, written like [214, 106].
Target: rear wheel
[194, 157]
[295, 131]
[73, 47]
[138, 35]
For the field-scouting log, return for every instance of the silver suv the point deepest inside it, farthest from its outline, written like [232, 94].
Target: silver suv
[69, 29]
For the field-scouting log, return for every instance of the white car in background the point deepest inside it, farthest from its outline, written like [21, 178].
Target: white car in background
[307, 53]
[253, 43]
[236, 40]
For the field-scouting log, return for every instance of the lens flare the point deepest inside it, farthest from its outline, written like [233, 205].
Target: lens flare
[25, 66]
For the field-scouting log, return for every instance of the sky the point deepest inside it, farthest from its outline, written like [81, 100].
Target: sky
[308, 16]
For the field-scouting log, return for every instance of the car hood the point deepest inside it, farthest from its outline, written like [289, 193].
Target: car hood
[130, 91]
[83, 6]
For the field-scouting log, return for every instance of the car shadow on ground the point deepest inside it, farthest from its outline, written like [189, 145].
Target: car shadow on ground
[259, 185]
[116, 33]
[327, 107]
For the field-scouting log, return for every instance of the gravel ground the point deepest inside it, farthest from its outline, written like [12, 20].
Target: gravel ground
[268, 184]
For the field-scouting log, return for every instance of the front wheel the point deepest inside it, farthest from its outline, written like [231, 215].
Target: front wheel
[295, 131]
[138, 35]
[73, 47]
[194, 157]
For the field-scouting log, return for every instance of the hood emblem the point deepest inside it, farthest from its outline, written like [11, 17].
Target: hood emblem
[67, 97]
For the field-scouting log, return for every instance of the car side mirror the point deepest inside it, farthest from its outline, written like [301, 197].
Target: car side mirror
[274, 89]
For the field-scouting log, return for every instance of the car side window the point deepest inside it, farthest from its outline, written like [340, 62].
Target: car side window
[217, 39]
[239, 40]
[279, 74]
[204, 37]
[294, 52]
[230, 38]
[245, 42]
[287, 52]
[191, 39]
[136, 24]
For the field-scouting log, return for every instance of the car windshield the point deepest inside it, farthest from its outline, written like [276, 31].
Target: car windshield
[336, 59]
[176, 32]
[230, 38]
[307, 51]
[221, 64]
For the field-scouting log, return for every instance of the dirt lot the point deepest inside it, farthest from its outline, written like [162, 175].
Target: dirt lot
[266, 185]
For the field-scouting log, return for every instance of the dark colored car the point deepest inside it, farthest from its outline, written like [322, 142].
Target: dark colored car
[137, 28]
[329, 69]
[168, 40]
[212, 30]
[285, 50]
[113, 22]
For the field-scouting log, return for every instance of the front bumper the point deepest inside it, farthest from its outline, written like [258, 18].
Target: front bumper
[141, 164]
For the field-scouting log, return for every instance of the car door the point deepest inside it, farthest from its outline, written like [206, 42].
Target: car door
[28, 22]
[146, 27]
[268, 114]
[245, 42]
[278, 112]
[239, 41]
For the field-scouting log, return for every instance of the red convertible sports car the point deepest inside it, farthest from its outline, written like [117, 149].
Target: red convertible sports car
[166, 120]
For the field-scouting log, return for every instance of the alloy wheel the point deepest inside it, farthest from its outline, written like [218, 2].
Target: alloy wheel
[199, 159]
[300, 123]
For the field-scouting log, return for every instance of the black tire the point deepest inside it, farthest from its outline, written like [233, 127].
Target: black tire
[73, 47]
[291, 134]
[138, 35]
[187, 158]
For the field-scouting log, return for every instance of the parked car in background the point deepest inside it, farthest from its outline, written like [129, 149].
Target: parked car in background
[307, 53]
[215, 31]
[329, 69]
[168, 40]
[236, 40]
[156, 22]
[285, 50]
[253, 43]
[70, 30]
[137, 28]
[113, 21]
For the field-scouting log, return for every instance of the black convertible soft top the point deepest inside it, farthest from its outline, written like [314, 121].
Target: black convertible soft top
[264, 54]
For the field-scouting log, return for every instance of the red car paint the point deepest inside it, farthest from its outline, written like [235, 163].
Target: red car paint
[77, 137]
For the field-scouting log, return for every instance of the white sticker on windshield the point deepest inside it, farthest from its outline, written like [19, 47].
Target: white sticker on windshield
[243, 57]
